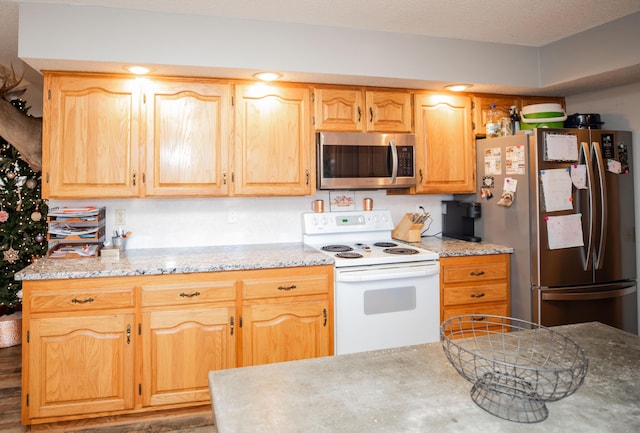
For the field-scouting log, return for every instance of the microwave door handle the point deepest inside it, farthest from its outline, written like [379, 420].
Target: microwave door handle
[394, 160]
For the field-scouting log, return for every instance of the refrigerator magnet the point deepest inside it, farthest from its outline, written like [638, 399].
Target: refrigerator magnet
[614, 166]
[510, 184]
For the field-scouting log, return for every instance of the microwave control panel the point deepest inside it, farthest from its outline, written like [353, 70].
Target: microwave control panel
[405, 161]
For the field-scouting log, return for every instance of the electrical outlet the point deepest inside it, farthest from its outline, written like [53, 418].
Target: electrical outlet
[121, 217]
[232, 215]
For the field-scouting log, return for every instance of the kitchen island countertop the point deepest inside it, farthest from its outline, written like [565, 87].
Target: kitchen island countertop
[154, 261]
[416, 389]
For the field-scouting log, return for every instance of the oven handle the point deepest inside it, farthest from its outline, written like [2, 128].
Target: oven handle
[386, 274]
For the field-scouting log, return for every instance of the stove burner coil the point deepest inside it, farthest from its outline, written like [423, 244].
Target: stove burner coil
[385, 244]
[400, 251]
[337, 248]
[347, 255]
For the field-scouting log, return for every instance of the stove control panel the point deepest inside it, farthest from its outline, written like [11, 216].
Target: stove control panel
[347, 221]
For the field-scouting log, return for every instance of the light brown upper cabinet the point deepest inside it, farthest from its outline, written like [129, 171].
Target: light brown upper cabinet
[356, 110]
[445, 147]
[91, 136]
[187, 137]
[482, 102]
[118, 136]
[272, 141]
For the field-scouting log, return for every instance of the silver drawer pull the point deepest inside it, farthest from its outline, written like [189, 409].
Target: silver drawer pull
[82, 301]
[291, 287]
[477, 295]
[189, 295]
[476, 274]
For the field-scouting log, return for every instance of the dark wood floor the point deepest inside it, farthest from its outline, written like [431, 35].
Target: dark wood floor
[198, 420]
[10, 369]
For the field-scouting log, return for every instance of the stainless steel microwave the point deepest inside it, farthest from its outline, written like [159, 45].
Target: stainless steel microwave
[365, 160]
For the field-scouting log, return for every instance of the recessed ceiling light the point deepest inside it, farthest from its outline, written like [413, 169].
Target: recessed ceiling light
[458, 87]
[138, 70]
[267, 76]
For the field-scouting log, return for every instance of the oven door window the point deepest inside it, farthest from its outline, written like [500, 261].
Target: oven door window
[389, 300]
[345, 161]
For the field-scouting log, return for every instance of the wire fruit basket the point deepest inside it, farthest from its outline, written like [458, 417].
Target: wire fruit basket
[515, 366]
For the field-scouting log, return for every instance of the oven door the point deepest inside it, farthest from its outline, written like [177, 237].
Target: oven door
[365, 161]
[386, 306]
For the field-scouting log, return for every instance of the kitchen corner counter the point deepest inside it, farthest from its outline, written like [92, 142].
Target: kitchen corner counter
[448, 247]
[160, 261]
[416, 389]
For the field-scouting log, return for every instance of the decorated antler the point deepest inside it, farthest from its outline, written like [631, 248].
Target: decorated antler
[9, 82]
[22, 131]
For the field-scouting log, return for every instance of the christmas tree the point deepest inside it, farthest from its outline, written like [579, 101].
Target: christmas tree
[23, 225]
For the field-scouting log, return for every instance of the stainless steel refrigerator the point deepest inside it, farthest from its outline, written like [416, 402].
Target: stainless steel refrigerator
[563, 199]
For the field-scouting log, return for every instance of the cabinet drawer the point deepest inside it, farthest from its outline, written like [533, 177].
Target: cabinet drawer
[188, 293]
[480, 309]
[475, 294]
[475, 269]
[283, 286]
[76, 300]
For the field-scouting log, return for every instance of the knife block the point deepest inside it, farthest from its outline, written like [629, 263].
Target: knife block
[407, 231]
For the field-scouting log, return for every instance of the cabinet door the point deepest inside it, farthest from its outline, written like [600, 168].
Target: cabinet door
[388, 111]
[339, 110]
[481, 106]
[187, 138]
[180, 347]
[273, 141]
[81, 365]
[90, 136]
[503, 104]
[285, 331]
[445, 150]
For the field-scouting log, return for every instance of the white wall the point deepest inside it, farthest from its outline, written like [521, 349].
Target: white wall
[188, 222]
[619, 108]
[55, 36]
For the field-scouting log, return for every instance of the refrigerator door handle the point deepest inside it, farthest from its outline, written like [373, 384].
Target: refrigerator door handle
[588, 296]
[587, 258]
[604, 213]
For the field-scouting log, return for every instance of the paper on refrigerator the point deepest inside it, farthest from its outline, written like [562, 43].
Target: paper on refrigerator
[556, 189]
[564, 231]
[561, 147]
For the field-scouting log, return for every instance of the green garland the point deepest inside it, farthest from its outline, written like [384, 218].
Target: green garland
[23, 219]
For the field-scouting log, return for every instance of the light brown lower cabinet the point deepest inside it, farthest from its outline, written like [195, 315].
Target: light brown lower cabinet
[98, 347]
[474, 285]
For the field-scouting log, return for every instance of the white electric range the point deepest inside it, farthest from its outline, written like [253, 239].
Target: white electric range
[387, 293]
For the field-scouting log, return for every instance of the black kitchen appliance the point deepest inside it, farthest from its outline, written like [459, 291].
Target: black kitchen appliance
[458, 220]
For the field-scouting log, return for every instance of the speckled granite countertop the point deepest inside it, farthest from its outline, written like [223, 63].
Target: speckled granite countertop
[447, 247]
[178, 261]
[220, 258]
